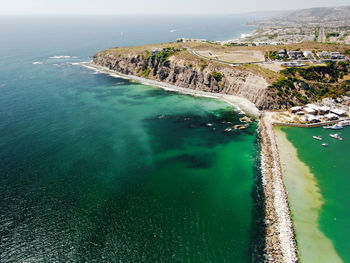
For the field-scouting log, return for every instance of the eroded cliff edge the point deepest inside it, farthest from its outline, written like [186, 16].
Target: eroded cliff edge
[180, 68]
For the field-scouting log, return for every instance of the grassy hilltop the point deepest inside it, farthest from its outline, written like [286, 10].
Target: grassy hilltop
[287, 86]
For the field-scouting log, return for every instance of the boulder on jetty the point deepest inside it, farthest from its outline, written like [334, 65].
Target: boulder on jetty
[246, 119]
[240, 127]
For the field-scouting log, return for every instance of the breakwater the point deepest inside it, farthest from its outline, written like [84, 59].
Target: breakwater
[280, 238]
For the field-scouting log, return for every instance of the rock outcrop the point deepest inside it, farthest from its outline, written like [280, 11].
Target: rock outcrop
[194, 74]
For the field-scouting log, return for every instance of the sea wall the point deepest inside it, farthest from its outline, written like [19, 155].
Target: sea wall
[280, 237]
[186, 72]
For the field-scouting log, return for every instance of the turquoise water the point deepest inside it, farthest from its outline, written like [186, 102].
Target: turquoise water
[331, 167]
[99, 169]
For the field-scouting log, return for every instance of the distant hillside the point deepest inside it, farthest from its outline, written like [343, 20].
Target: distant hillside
[264, 15]
[319, 14]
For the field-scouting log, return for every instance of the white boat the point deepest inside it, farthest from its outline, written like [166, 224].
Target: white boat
[336, 127]
[344, 123]
[209, 124]
[325, 144]
[228, 129]
[336, 136]
[317, 138]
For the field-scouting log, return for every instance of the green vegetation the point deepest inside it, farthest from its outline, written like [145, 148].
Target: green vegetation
[272, 55]
[301, 85]
[217, 76]
[347, 52]
[286, 90]
[284, 84]
[324, 74]
[317, 34]
[145, 73]
[162, 55]
[165, 53]
[237, 45]
[203, 64]
[333, 34]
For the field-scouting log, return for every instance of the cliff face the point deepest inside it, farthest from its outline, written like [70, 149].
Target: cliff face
[196, 75]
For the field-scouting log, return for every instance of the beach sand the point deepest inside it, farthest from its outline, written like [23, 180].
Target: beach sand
[305, 201]
[240, 103]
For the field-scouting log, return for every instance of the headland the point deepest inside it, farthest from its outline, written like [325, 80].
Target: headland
[245, 77]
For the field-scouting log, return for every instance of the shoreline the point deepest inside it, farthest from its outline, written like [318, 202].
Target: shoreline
[281, 245]
[280, 239]
[241, 104]
[301, 183]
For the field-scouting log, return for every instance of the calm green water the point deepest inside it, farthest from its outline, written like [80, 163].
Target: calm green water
[331, 166]
[99, 169]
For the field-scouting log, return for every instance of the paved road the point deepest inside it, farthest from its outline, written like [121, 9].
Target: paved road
[322, 35]
[221, 61]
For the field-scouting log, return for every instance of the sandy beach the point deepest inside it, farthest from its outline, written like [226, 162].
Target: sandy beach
[305, 202]
[241, 104]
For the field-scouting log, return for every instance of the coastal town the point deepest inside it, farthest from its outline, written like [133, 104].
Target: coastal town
[324, 25]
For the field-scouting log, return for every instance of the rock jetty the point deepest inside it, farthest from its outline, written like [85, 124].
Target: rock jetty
[280, 237]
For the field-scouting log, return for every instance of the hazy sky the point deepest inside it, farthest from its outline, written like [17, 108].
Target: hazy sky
[155, 6]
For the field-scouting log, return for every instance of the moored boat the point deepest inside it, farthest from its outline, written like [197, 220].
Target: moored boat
[336, 127]
[317, 138]
[336, 136]
[344, 123]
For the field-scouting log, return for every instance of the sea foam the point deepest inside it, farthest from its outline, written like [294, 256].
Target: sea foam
[62, 57]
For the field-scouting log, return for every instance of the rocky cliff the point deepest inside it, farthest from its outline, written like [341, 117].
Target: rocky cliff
[188, 71]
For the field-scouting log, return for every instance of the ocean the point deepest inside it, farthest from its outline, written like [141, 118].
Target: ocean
[319, 195]
[101, 169]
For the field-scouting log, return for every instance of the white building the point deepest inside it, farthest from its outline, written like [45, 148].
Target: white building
[323, 110]
[312, 119]
[295, 109]
[308, 55]
[331, 117]
[310, 111]
[313, 106]
[339, 112]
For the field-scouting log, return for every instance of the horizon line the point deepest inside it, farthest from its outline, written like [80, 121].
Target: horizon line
[219, 13]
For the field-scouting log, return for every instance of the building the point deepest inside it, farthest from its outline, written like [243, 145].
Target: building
[295, 109]
[310, 111]
[282, 53]
[262, 43]
[331, 117]
[324, 54]
[295, 55]
[339, 112]
[312, 119]
[313, 106]
[308, 55]
[293, 64]
[182, 39]
[323, 110]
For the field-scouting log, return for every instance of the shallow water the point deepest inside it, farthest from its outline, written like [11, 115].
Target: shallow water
[326, 195]
[99, 169]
